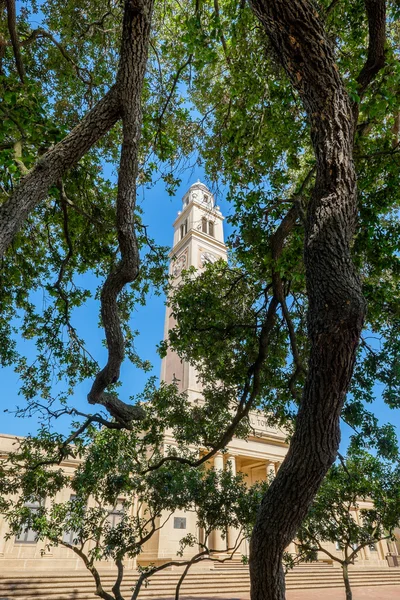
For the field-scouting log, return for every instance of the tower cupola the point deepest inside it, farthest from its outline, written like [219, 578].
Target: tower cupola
[199, 214]
[200, 193]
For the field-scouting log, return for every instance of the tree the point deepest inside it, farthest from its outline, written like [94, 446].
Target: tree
[337, 517]
[294, 99]
[301, 37]
[120, 498]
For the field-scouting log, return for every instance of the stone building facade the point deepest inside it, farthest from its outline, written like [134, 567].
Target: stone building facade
[198, 239]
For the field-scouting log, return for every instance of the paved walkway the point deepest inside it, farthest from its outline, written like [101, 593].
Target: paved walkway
[384, 592]
[378, 592]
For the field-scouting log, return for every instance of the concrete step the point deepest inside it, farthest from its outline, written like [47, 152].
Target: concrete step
[49, 583]
[74, 586]
[148, 593]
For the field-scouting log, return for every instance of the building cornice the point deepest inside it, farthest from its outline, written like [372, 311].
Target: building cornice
[209, 211]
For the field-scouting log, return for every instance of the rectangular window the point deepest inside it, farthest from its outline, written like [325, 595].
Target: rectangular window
[184, 229]
[27, 535]
[211, 228]
[179, 522]
[204, 225]
[116, 513]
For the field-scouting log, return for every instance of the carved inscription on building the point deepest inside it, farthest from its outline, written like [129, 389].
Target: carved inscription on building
[259, 423]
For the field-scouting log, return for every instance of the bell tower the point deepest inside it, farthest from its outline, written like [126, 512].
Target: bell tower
[198, 239]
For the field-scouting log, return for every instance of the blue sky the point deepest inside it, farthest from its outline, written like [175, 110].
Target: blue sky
[160, 211]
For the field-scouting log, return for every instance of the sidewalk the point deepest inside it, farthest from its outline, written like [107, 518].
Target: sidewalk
[385, 592]
[378, 592]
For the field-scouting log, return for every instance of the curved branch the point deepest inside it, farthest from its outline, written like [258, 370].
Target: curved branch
[42, 33]
[134, 52]
[90, 567]
[376, 14]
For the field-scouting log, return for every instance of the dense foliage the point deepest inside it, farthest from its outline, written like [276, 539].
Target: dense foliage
[216, 89]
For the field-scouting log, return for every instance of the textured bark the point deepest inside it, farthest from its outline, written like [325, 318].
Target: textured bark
[336, 306]
[52, 165]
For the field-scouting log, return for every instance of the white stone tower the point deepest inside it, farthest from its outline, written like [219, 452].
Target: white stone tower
[198, 239]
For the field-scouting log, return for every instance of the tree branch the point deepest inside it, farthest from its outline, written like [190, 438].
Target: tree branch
[54, 164]
[134, 51]
[376, 14]
[221, 34]
[42, 33]
[12, 28]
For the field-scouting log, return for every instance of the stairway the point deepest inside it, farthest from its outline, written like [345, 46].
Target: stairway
[79, 586]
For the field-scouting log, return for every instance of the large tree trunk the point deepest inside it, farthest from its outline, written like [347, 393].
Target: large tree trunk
[336, 306]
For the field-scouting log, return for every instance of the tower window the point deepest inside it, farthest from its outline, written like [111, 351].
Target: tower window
[184, 229]
[211, 228]
[204, 225]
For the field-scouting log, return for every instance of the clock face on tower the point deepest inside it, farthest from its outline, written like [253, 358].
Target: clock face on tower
[207, 257]
[179, 264]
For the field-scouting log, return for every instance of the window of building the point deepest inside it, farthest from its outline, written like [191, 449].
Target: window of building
[116, 513]
[337, 546]
[373, 548]
[27, 535]
[184, 229]
[204, 225]
[211, 228]
[179, 522]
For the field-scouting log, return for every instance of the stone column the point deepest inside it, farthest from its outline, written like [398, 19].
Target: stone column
[380, 550]
[233, 533]
[132, 562]
[367, 553]
[3, 531]
[46, 550]
[231, 462]
[291, 548]
[217, 542]
[270, 470]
